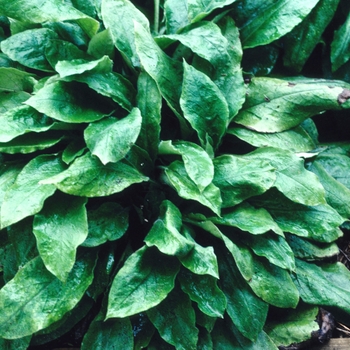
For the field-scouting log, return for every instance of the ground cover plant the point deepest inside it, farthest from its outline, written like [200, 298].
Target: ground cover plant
[173, 174]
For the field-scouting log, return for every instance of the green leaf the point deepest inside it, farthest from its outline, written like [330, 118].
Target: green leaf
[295, 140]
[293, 327]
[301, 41]
[165, 234]
[205, 292]
[104, 335]
[198, 165]
[64, 102]
[341, 45]
[175, 321]
[292, 179]
[88, 177]
[20, 120]
[273, 285]
[149, 101]
[327, 284]
[101, 44]
[200, 260]
[35, 298]
[186, 188]
[180, 13]
[112, 85]
[110, 139]
[15, 344]
[119, 17]
[80, 65]
[9, 100]
[240, 178]
[51, 11]
[307, 250]
[247, 218]
[108, 222]
[166, 72]
[274, 105]
[337, 195]
[246, 310]
[319, 223]
[26, 196]
[274, 248]
[142, 283]
[204, 106]
[262, 22]
[28, 47]
[12, 79]
[59, 229]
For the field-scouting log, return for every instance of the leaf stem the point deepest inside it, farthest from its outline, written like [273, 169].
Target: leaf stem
[156, 17]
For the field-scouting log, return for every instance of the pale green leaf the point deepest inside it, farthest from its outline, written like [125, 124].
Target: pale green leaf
[274, 105]
[59, 229]
[35, 298]
[110, 139]
[26, 196]
[143, 282]
[88, 177]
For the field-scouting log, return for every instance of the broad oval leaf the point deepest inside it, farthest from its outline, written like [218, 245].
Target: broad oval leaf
[88, 177]
[198, 164]
[327, 284]
[35, 298]
[142, 283]
[108, 222]
[273, 285]
[37, 11]
[165, 234]
[12, 79]
[205, 292]
[26, 196]
[28, 47]
[243, 306]
[262, 22]
[239, 178]
[175, 320]
[177, 176]
[119, 16]
[80, 65]
[295, 140]
[274, 105]
[204, 106]
[64, 102]
[59, 229]
[292, 179]
[110, 139]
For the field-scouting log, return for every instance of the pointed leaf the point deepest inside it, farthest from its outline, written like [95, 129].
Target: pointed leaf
[242, 304]
[88, 177]
[186, 188]
[165, 234]
[204, 106]
[119, 16]
[28, 47]
[12, 79]
[198, 164]
[292, 179]
[262, 22]
[35, 298]
[110, 139]
[175, 321]
[142, 283]
[108, 222]
[50, 11]
[239, 178]
[274, 105]
[80, 65]
[59, 229]
[62, 101]
[326, 285]
[26, 196]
